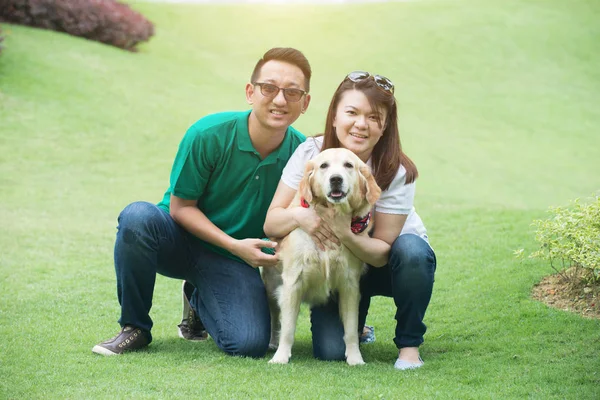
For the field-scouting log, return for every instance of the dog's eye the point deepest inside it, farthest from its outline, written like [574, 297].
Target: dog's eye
[324, 165]
[348, 165]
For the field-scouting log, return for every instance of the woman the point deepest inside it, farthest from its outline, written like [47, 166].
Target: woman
[362, 117]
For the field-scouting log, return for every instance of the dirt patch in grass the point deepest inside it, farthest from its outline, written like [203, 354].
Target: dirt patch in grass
[569, 291]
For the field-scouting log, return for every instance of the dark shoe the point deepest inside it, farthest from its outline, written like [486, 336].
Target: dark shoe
[129, 339]
[191, 327]
[368, 336]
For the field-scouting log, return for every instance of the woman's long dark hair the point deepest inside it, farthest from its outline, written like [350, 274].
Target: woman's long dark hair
[387, 154]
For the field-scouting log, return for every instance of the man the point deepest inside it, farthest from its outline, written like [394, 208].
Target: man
[208, 226]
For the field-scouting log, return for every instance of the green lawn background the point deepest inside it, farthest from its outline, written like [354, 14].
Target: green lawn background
[498, 108]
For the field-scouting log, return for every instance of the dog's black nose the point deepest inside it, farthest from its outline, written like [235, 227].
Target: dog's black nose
[336, 180]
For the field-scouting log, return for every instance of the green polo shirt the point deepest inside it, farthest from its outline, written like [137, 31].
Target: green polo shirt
[217, 165]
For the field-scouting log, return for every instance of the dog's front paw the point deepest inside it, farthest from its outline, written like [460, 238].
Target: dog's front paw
[355, 359]
[280, 357]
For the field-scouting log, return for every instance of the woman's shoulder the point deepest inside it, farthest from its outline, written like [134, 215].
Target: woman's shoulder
[314, 143]
[311, 147]
[398, 198]
[399, 180]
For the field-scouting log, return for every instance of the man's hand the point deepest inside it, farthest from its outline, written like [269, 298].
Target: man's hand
[319, 230]
[249, 250]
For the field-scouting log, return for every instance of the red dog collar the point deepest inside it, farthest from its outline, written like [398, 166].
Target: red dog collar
[359, 224]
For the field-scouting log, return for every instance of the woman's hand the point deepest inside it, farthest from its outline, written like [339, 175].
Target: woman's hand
[337, 223]
[319, 230]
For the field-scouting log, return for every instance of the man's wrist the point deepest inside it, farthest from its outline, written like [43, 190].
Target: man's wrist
[230, 245]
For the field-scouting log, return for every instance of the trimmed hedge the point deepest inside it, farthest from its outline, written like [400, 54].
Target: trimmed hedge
[106, 21]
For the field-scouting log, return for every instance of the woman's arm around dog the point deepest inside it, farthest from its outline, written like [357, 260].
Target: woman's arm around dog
[374, 249]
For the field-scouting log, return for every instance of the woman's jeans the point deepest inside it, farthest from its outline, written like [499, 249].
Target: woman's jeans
[230, 297]
[407, 278]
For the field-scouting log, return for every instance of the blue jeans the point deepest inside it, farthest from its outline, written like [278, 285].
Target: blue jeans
[230, 297]
[407, 278]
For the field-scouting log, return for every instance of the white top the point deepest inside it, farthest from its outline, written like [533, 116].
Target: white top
[397, 199]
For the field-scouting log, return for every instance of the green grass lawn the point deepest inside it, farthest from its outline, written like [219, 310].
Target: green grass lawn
[499, 108]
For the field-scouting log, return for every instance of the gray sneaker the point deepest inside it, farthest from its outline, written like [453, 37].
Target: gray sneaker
[130, 338]
[191, 327]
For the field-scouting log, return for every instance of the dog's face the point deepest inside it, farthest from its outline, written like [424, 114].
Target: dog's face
[338, 176]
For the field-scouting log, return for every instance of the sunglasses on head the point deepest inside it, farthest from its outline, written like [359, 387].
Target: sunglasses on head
[381, 81]
[291, 94]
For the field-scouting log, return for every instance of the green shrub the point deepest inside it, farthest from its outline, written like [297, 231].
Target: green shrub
[1, 39]
[571, 238]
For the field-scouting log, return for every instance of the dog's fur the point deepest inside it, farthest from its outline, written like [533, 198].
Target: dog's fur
[335, 181]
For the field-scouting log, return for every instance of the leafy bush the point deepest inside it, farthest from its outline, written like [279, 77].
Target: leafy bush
[1, 39]
[106, 21]
[571, 236]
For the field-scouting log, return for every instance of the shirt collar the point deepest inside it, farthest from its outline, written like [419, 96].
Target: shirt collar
[245, 144]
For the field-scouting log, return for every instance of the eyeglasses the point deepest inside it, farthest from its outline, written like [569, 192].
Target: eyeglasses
[291, 94]
[381, 81]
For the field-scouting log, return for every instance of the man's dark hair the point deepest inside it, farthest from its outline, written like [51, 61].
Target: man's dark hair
[288, 55]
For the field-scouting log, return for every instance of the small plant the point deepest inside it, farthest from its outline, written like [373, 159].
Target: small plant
[106, 21]
[570, 240]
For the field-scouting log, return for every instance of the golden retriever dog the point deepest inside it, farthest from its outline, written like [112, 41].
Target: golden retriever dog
[336, 181]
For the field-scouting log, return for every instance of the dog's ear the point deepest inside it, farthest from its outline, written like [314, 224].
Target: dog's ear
[304, 188]
[369, 187]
